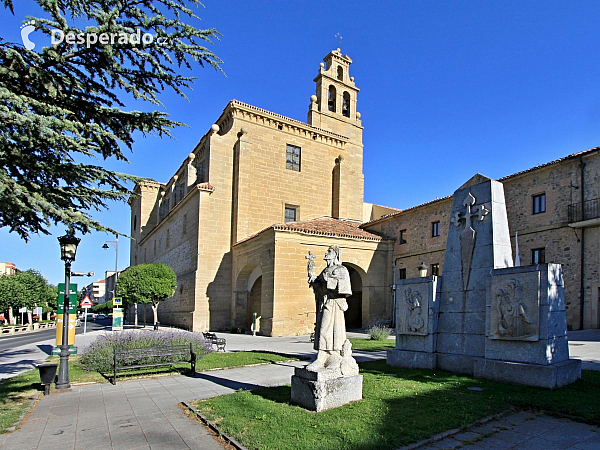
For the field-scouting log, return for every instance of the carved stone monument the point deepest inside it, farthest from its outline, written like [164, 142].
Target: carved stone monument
[332, 380]
[484, 317]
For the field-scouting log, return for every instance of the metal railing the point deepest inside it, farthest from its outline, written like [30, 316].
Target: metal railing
[584, 211]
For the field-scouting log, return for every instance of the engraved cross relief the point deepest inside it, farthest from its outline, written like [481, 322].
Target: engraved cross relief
[468, 235]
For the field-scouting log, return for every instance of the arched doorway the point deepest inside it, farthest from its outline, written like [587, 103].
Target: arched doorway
[254, 301]
[248, 296]
[353, 315]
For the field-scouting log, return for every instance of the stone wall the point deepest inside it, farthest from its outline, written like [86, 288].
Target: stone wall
[550, 230]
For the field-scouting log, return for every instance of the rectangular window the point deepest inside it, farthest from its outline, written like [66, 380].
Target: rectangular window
[290, 214]
[435, 269]
[538, 256]
[539, 203]
[200, 178]
[402, 237]
[402, 273]
[435, 229]
[292, 158]
[180, 191]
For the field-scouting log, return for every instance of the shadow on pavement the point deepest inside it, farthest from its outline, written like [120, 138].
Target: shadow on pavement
[232, 384]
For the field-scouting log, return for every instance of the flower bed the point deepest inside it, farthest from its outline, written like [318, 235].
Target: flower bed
[99, 355]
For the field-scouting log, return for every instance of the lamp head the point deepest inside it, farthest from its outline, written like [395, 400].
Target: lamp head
[68, 245]
[105, 245]
[422, 270]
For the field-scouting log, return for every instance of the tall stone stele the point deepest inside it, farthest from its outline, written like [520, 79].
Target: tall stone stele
[331, 380]
[484, 317]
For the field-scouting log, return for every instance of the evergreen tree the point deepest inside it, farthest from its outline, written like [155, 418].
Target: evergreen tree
[63, 105]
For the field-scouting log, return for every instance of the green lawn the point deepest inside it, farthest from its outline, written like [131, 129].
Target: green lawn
[396, 410]
[372, 345]
[16, 394]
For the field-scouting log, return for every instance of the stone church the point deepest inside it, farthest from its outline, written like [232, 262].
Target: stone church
[260, 191]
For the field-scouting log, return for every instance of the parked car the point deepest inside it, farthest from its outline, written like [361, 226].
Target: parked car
[100, 316]
[90, 317]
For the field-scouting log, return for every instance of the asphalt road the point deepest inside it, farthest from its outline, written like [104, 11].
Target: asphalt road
[13, 341]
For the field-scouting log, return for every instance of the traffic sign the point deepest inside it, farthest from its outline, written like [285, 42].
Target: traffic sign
[117, 301]
[86, 302]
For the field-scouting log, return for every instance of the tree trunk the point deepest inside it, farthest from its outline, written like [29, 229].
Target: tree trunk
[145, 304]
[29, 317]
[135, 319]
[11, 317]
[155, 311]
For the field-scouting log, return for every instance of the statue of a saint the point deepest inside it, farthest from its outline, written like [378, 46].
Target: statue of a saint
[331, 288]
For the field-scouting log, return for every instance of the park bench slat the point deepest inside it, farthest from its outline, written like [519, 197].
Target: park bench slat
[135, 358]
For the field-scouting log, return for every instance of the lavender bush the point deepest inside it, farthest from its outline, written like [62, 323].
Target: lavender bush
[99, 355]
[379, 333]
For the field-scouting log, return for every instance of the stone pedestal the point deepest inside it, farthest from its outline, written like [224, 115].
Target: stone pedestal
[549, 376]
[319, 391]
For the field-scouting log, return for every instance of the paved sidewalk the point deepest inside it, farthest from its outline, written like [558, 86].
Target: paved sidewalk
[144, 414]
[522, 431]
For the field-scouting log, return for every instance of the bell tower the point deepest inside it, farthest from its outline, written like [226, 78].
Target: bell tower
[333, 108]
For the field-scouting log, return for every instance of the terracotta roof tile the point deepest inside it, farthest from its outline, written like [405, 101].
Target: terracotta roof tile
[323, 226]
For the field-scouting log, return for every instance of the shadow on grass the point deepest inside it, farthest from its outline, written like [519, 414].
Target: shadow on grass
[399, 407]
[280, 394]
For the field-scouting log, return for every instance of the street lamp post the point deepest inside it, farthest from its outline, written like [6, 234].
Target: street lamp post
[116, 244]
[68, 249]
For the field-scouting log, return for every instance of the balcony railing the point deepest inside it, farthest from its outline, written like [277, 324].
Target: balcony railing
[587, 210]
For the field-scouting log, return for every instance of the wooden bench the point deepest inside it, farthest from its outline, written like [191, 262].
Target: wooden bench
[219, 343]
[166, 355]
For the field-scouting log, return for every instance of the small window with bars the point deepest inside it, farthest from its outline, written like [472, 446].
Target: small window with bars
[402, 273]
[291, 214]
[435, 229]
[435, 269]
[292, 158]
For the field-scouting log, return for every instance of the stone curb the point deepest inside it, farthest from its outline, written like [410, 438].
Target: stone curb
[214, 427]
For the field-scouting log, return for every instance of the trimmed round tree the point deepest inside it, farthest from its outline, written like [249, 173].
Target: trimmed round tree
[147, 283]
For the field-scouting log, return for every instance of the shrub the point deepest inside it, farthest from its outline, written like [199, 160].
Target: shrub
[99, 355]
[379, 333]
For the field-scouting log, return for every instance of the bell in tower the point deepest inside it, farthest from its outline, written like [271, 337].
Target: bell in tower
[335, 99]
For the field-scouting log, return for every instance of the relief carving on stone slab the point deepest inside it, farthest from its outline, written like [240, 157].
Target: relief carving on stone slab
[468, 236]
[515, 314]
[412, 312]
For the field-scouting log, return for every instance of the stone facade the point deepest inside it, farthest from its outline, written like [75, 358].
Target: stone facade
[567, 232]
[253, 169]
[213, 221]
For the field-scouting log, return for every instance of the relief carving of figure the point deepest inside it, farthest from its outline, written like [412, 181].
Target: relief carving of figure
[513, 317]
[412, 320]
[331, 288]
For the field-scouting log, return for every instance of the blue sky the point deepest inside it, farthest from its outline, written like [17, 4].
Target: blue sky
[448, 89]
